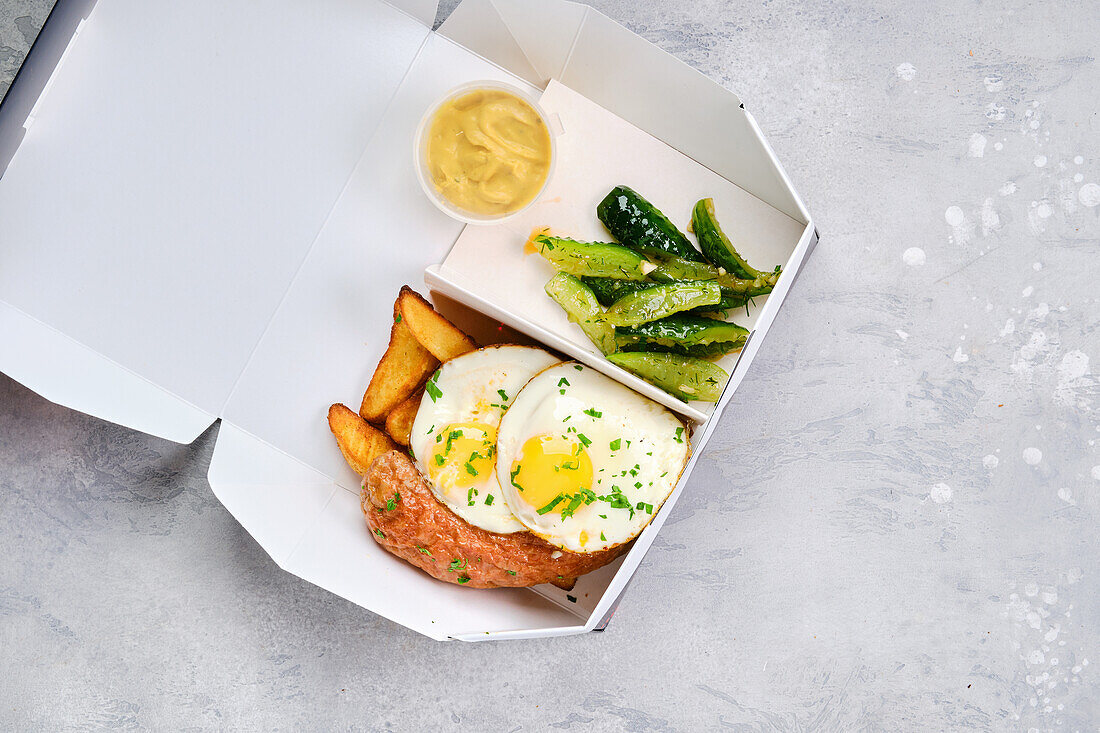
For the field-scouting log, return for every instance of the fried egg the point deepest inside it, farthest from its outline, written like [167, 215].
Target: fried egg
[586, 462]
[454, 435]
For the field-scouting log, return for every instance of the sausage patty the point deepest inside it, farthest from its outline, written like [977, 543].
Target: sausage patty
[405, 518]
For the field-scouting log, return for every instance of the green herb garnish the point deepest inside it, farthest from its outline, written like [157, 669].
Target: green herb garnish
[432, 389]
[553, 503]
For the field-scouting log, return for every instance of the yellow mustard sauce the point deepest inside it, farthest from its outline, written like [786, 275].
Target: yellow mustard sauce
[488, 152]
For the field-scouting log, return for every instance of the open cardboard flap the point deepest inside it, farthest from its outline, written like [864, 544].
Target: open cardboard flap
[198, 224]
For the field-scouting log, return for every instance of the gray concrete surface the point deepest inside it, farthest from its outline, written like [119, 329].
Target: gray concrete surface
[895, 527]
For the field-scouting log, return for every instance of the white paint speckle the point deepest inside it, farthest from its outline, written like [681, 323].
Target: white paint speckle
[1036, 266]
[1096, 472]
[991, 221]
[990, 462]
[1040, 161]
[1089, 195]
[1008, 189]
[994, 83]
[1073, 575]
[1078, 177]
[1075, 364]
[1031, 590]
[1032, 456]
[940, 493]
[1010, 327]
[959, 357]
[994, 111]
[906, 71]
[998, 146]
[1026, 292]
[901, 334]
[1036, 657]
[1066, 495]
[1043, 210]
[976, 147]
[1073, 383]
[914, 257]
[961, 227]
[1078, 159]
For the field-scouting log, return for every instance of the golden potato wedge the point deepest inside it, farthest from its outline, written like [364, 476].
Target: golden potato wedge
[438, 335]
[564, 583]
[403, 368]
[360, 442]
[399, 422]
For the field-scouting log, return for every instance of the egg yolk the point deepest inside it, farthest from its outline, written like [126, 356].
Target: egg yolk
[549, 468]
[463, 454]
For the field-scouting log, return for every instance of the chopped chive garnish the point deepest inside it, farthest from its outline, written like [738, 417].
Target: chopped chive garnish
[572, 506]
[397, 318]
[380, 533]
[511, 572]
[679, 435]
[503, 394]
[602, 516]
[456, 565]
[578, 367]
[571, 599]
[584, 439]
[563, 381]
[439, 459]
[602, 537]
[470, 469]
[432, 389]
[616, 443]
[553, 503]
[425, 551]
[593, 412]
[488, 500]
[463, 580]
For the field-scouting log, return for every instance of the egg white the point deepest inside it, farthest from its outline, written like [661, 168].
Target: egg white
[472, 390]
[636, 448]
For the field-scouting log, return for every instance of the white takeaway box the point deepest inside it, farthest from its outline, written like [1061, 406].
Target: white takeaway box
[207, 208]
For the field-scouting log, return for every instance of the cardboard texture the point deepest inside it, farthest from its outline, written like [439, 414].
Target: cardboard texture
[220, 247]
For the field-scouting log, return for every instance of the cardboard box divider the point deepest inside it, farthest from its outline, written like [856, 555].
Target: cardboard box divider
[195, 223]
